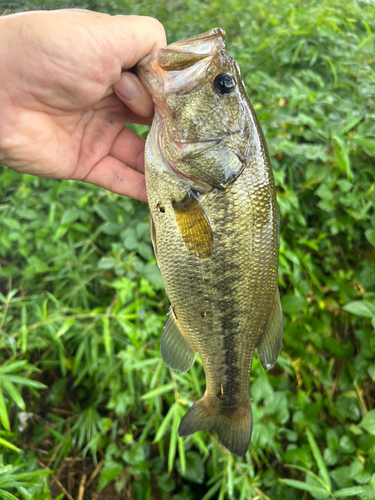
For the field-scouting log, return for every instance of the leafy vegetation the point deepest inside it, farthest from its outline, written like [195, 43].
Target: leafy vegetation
[86, 403]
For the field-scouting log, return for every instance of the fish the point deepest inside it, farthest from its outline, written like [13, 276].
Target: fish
[214, 223]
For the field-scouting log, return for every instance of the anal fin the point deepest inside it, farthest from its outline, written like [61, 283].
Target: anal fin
[176, 351]
[271, 341]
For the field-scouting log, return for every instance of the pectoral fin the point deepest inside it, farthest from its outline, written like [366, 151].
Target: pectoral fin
[194, 225]
[175, 349]
[270, 344]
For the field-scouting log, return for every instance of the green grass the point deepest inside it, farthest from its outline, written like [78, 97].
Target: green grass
[82, 303]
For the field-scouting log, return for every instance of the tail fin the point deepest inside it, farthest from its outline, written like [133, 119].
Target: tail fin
[233, 429]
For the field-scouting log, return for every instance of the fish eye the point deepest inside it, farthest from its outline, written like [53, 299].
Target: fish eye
[224, 83]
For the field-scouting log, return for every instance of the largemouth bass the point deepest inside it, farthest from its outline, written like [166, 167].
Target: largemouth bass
[214, 227]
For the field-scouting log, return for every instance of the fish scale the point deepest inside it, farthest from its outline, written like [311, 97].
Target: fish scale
[214, 226]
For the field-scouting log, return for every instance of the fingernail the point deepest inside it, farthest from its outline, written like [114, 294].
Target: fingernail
[127, 86]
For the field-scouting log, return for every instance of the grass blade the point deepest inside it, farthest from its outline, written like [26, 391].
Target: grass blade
[16, 379]
[7, 495]
[343, 156]
[304, 486]
[4, 412]
[211, 492]
[349, 126]
[7, 444]
[107, 340]
[163, 427]
[349, 492]
[319, 460]
[13, 366]
[181, 454]
[199, 442]
[158, 391]
[230, 476]
[173, 441]
[14, 393]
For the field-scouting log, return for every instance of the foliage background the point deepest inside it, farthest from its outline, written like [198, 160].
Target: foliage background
[82, 303]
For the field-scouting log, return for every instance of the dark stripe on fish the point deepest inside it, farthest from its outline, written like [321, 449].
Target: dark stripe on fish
[229, 323]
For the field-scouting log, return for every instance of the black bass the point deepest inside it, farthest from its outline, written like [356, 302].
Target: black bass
[215, 229]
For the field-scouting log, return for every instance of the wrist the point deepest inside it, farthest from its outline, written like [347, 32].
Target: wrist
[8, 41]
[11, 60]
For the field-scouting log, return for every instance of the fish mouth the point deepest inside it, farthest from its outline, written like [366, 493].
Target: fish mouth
[172, 67]
[148, 72]
[183, 54]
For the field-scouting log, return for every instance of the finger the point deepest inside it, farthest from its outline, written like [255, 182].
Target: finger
[134, 37]
[119, 178]
[130, 90]
[129, 148]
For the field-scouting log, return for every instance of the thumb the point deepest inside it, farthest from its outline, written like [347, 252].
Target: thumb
[134, 37]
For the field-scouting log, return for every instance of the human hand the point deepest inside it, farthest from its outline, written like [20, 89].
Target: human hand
[64, 99]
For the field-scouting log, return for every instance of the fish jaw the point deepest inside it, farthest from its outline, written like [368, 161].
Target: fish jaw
[169, 69]
[205, 43]
[151, 76]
